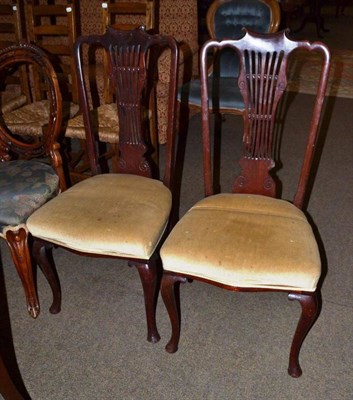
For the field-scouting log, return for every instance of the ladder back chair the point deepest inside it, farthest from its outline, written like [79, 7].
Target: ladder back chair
[51, 26]
[124, 214]
[14, 89]
[249, 239]
[121, 15]
[26, 181]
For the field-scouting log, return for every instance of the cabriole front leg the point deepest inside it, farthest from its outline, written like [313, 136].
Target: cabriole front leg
[170, 294]
[309, 305]
[18, 244]
[149, 279]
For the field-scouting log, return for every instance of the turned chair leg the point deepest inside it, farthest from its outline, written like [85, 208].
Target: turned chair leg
[149, 279]
[170, 294]
[18, 244]
[42, 253]
[309, 305]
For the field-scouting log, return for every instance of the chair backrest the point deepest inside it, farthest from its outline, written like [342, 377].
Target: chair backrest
[262, 82]
[11, 30]
[225, 19]
[13, 147]
[132, 71]
[52, 25]
[125, 15]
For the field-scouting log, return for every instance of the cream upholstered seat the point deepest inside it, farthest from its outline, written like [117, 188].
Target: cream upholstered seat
[123, 214]
[127, 216]
[247, 241]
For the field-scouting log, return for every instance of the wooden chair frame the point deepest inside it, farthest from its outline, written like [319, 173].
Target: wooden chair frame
[129, 54]
[262, 87]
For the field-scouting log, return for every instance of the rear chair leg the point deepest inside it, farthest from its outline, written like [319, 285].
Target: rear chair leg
[42, 253]
[170, 294]
[309, 305]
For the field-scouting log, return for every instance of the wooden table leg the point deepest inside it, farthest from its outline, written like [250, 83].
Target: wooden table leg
[11, 383]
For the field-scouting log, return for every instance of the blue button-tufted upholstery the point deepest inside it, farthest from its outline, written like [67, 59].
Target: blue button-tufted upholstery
[223, 93]
[228, 19]
[24, 187]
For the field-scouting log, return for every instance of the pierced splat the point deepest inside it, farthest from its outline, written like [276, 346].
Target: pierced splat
[130, 54]
[128, 66]
[262, 83]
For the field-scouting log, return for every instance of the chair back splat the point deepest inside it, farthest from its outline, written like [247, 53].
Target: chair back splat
[250, 239]
[130, 56]
[262, 82]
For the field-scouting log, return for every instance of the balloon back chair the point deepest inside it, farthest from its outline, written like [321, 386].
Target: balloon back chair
[225, 19]
[249, 239]
[124, 214]
[26, 180]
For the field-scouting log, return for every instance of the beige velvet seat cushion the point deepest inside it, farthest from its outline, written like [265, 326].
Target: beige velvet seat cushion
[247, 241]
[108, 214]
[32, 118]
[104, 118]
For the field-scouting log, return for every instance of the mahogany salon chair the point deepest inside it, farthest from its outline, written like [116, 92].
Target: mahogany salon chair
[27, 179]
[250, 240]
[124, 214]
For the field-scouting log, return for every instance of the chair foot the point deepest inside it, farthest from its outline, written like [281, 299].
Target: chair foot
[309, 305]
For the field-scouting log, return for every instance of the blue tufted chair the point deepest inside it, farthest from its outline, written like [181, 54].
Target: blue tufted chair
[26, 181]
[225, 20]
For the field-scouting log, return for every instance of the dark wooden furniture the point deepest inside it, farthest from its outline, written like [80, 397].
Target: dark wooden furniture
[250, 240]
[123, 16]
[125, 214]
[26, 182]
[11, 383]
[15, 88]
[52, 26]
[314, 15]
